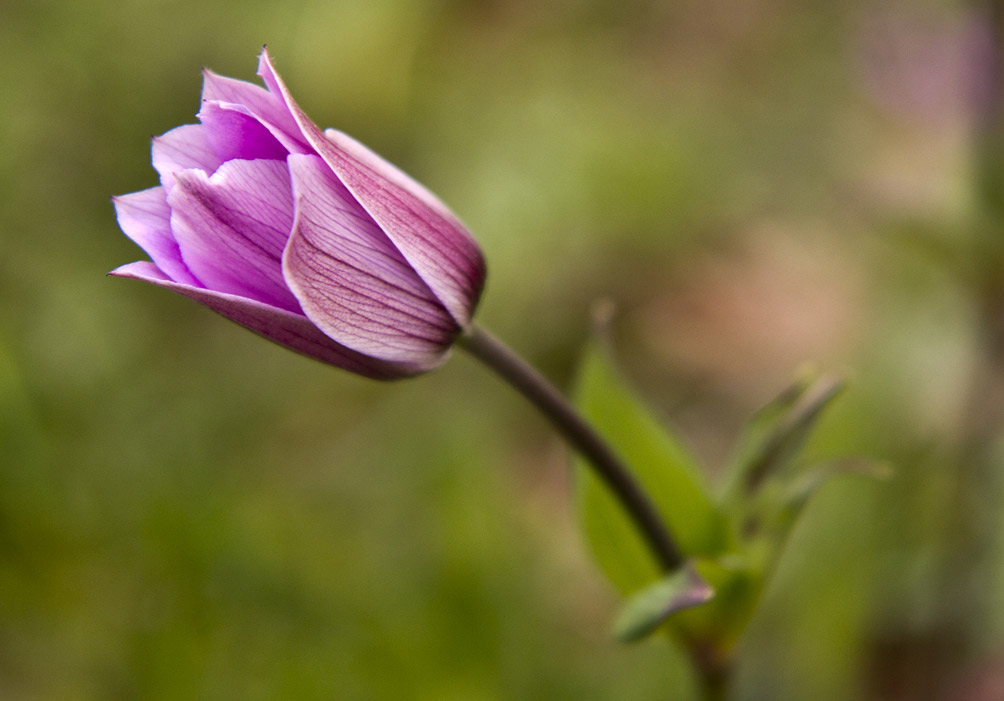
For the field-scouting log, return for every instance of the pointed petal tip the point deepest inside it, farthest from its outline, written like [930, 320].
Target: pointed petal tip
[263, 60]
[266, 66]
[119, 271]
[139, 270]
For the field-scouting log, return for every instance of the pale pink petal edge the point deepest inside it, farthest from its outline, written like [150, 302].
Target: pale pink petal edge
[291, 330]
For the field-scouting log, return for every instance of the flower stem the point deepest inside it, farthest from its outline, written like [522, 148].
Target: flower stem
[581, 436]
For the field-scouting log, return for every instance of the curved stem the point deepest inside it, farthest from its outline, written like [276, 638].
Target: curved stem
[607, 465]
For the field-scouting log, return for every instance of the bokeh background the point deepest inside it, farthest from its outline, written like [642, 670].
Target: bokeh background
[189, 512]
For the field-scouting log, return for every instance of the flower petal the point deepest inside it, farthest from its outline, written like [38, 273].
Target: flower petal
[145, 218]
[232, 226]
[427, 233]
[283, 327]
[435, 242]
[180, 149]
[258, 103]
[236, 135]
[351, 281]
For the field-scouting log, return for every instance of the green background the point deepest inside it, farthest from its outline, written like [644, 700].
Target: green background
[187, 511]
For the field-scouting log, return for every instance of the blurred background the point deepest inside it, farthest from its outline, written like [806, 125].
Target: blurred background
[187, 511]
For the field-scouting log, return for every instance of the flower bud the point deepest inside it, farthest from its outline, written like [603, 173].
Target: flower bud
[306, 237]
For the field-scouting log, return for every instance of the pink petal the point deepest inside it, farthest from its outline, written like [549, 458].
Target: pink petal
[183, 148]
[351, 281]
[430, 237]
[232, 227]
[233, 134]
[283, 327]
[256, 102]
[350, 230]
[385, 168]
[145, 218]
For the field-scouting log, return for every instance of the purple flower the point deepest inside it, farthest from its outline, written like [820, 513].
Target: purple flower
[306, 237]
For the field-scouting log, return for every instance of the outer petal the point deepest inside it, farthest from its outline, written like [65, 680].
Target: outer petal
[232, 226]
[145, 218]
[180, 149]
[429, 236]
[285, 328]
[351, 281]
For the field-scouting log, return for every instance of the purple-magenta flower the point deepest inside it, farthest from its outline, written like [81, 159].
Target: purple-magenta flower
[306, 237]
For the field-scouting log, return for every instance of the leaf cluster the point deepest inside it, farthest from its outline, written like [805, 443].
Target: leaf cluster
[731, 536]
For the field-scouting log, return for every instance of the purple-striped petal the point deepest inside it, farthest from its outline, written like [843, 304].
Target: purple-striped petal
[427, 233]
[286, 328]
[351, 281]
[308, 239]
[232, 227]
[145, 218]
[183, 148]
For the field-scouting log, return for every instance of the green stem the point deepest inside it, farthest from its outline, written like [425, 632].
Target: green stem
[570, 424]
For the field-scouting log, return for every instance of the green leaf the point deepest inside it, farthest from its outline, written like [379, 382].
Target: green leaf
[774, 435]
[785, 507]
[768, 482]
[649, 608]
[664, 469]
